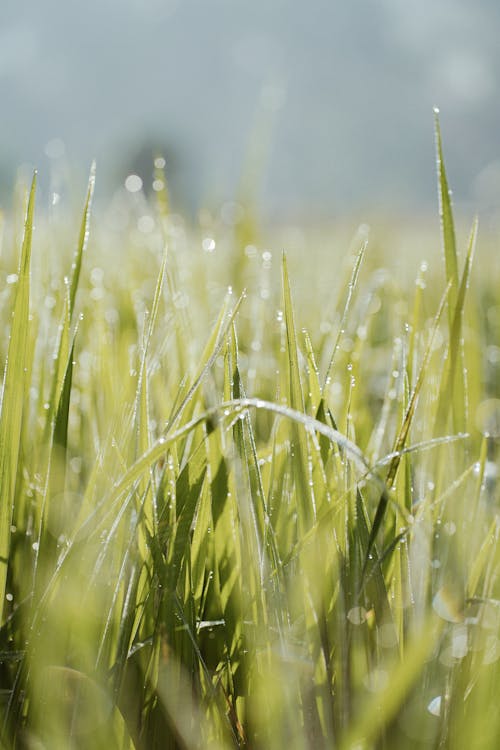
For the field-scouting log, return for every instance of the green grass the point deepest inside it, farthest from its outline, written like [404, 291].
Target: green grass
[260, 517]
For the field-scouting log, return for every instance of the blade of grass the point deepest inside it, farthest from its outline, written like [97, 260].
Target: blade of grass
[447, 223]
[450, 397]
[12, 406]
[299, 448]
[350, 291]
[402, 436]
[83, 239]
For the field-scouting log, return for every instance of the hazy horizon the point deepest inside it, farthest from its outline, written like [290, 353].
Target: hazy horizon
[328, 105]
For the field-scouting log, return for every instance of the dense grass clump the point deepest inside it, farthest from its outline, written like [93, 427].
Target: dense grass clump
[220, 528]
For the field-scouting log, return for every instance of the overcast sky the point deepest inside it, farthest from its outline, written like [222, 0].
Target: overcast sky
[330, 103]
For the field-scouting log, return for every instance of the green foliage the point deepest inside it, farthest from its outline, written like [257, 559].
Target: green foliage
[221, 530]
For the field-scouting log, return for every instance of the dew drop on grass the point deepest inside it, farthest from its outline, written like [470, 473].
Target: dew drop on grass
[357, 615]
[250, 251]
[493, 354]
[460, 642]
[76, 464]
[447, 605]
[434, 706]
[488, 417]
[208, 244]
[133, 183]
[492, 650]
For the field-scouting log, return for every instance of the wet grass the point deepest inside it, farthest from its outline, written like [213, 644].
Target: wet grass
[259, 518]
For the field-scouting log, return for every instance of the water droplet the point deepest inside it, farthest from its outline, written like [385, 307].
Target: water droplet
[447, 605]
[434, 706]
[357, 615]
[460, 642]
[488, 417]
[133, 183]
[250, 251]
[208, 244]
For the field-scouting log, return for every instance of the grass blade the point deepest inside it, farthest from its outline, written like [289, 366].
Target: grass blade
[12, 406]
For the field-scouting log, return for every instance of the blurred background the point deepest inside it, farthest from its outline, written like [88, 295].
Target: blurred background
[314, 110]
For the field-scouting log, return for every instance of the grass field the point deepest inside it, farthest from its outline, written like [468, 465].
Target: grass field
[248, 498]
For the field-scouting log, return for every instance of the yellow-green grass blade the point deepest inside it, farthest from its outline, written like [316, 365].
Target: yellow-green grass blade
[64, 334]
[452, 394]
[83, 239]
[380, 709]
[299, 448]
[447, 222]
[189, 487]
[161, 188]
[345, 314]
[403, 435]
[12, 405]
[210, 354]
